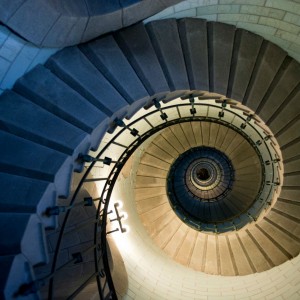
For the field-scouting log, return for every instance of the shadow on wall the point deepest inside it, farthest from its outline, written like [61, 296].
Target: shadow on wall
[119, 273]
[78, 238]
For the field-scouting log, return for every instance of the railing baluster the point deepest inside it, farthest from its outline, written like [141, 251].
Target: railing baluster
[163, 115]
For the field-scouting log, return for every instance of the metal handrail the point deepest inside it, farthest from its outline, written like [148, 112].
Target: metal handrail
[110, 181]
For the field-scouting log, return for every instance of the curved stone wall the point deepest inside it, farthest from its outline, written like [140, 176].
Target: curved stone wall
[63, 23]
[275, 20]
[18, 57]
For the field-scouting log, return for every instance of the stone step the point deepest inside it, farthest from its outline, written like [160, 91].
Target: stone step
[26, 235]
[271, 252]
[196, 127]
[23, 118]
[63, 101]
[15, 271]
[220, 47]
[189, 133]
[213, 134]
[242, 148]
[173, 246]
[145, 181]
[146, 193]
[186, 248]
[145, 205]
[169, 136]
[222, 133]
[105, 54]
[245, 163]
[292, 166]
[290, 193]
[160, 153]
[180, 135]
[281, 234]
[246, 48]
[286, 79]
[137, 47]
[193, 37]
[165, 39]
[211, 256]
[227, 266]
[268, 63]
[205, 127]
[163, 236]
[151, 171]
[27, 195]
[235, 146]
[76, 22]
[153, 214]
[288, 110]
[290, 150]
[166, 145]
[197, 260]
[150, 160]
[256, 256]
[25, 158]
[289, 134]
[241, 257]
[74, 68]
[270, 238]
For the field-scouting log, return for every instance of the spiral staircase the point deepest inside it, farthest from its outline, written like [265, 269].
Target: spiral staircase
[62, 109]
[253, 248]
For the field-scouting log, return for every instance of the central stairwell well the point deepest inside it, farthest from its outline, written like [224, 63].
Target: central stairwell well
[63, 109]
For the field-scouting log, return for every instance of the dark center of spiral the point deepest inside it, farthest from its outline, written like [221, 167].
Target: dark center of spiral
[203, 174]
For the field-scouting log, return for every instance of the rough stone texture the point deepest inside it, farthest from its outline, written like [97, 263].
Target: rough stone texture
[23, 118]
[108, 58]
[25, 158]
[25, 235]
[135, 43]
[194, 46]
[289, 110]
[85, 78]
[268, 63]
[283, 86]
[52, 24]
[17, 195]
[166, 43]
[220, 44]
[63, 102]
[275, 20]
[246, 49]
